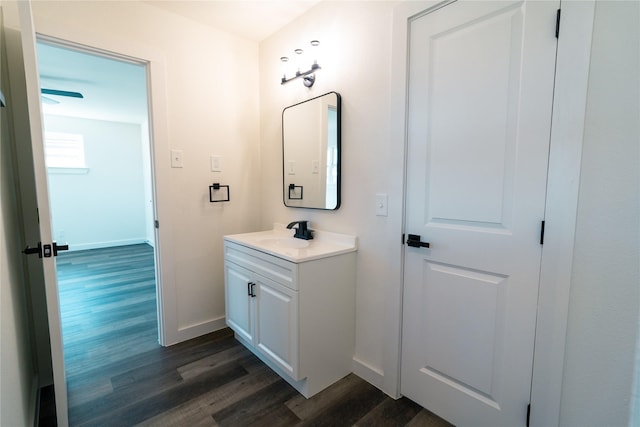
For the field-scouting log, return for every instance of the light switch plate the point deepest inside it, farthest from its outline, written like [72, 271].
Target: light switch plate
[381, 204]
[315, 166]
[216, 163]
[176, 158]
[292, 167]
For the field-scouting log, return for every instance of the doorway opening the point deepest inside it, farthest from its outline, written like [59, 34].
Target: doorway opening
[98, 152]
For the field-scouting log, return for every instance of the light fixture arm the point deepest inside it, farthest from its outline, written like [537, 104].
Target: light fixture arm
[307, 76]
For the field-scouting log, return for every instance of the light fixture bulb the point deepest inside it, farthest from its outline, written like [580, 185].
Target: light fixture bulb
[284, 61]
[314, 53]
[299, 53]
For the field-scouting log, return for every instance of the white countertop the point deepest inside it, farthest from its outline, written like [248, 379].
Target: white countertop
[280, 242]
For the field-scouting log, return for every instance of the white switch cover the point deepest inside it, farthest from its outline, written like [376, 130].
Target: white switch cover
[315, 166]
[381, 204]
[216, 163]
[292, 167]
[176, 158]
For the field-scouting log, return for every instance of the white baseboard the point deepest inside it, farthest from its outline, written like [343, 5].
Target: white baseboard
[193, 331]
[109, 244]
[368, 373]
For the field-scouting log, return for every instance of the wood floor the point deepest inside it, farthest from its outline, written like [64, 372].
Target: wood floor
[118, 375]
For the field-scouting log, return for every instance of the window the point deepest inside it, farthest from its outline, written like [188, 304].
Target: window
[64, 150]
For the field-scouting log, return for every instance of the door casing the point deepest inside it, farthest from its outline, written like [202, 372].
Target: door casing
[572, 66]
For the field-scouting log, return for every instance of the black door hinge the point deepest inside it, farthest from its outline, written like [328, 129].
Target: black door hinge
[156, 223]
[528, 413]
[403, 238]
[542, 232]
[558, 23]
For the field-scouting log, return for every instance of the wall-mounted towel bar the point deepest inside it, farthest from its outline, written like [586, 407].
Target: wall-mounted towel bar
[214, 188]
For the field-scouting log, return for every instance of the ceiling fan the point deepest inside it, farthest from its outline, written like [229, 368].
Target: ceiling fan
[48, 100]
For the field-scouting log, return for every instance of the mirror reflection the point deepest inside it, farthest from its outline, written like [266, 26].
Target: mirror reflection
[311, 153]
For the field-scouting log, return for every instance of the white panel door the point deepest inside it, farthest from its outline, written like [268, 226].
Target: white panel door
[277, 324]
[34, 196]
[479, 102]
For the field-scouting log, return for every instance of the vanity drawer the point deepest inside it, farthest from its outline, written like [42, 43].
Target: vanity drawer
[277, 269]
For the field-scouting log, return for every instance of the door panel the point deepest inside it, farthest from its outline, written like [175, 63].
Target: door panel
[464, 349]
[238, 301]
[471, 150]
[479, 102]
[277, 325]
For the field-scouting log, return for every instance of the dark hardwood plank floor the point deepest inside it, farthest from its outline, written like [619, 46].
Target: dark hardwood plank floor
[118, 375]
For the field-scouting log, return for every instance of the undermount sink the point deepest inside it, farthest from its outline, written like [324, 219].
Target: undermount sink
[281, 243]
[286, 242]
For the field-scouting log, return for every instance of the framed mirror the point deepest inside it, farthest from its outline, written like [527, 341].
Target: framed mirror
[311, 153]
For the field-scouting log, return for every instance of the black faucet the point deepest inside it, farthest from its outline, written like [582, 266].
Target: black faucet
[302, 232]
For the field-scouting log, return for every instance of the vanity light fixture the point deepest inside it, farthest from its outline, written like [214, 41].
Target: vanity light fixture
[308, 77]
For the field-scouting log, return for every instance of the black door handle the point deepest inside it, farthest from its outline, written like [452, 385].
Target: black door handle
[57, 247]
[48, 249]
[30, 251]
[253, 294]
[414, 241]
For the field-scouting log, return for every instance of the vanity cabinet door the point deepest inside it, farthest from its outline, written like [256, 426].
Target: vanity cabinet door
[276, 331]
[238, 300]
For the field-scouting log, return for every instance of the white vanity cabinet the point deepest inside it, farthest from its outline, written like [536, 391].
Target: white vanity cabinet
[298, 317]
[264, 314]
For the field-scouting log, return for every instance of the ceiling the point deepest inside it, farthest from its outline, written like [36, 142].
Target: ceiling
[115, 90]
[251, 19]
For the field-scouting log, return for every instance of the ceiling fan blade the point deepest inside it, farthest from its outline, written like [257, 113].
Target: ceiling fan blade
[47, 100]
[61, 93]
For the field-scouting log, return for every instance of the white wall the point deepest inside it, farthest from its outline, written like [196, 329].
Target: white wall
[210, 107]
[147, 174]
[603, 310]
[355, 38]
[106, 205]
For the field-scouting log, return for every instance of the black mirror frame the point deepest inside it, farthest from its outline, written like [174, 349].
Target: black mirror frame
[339, 149]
